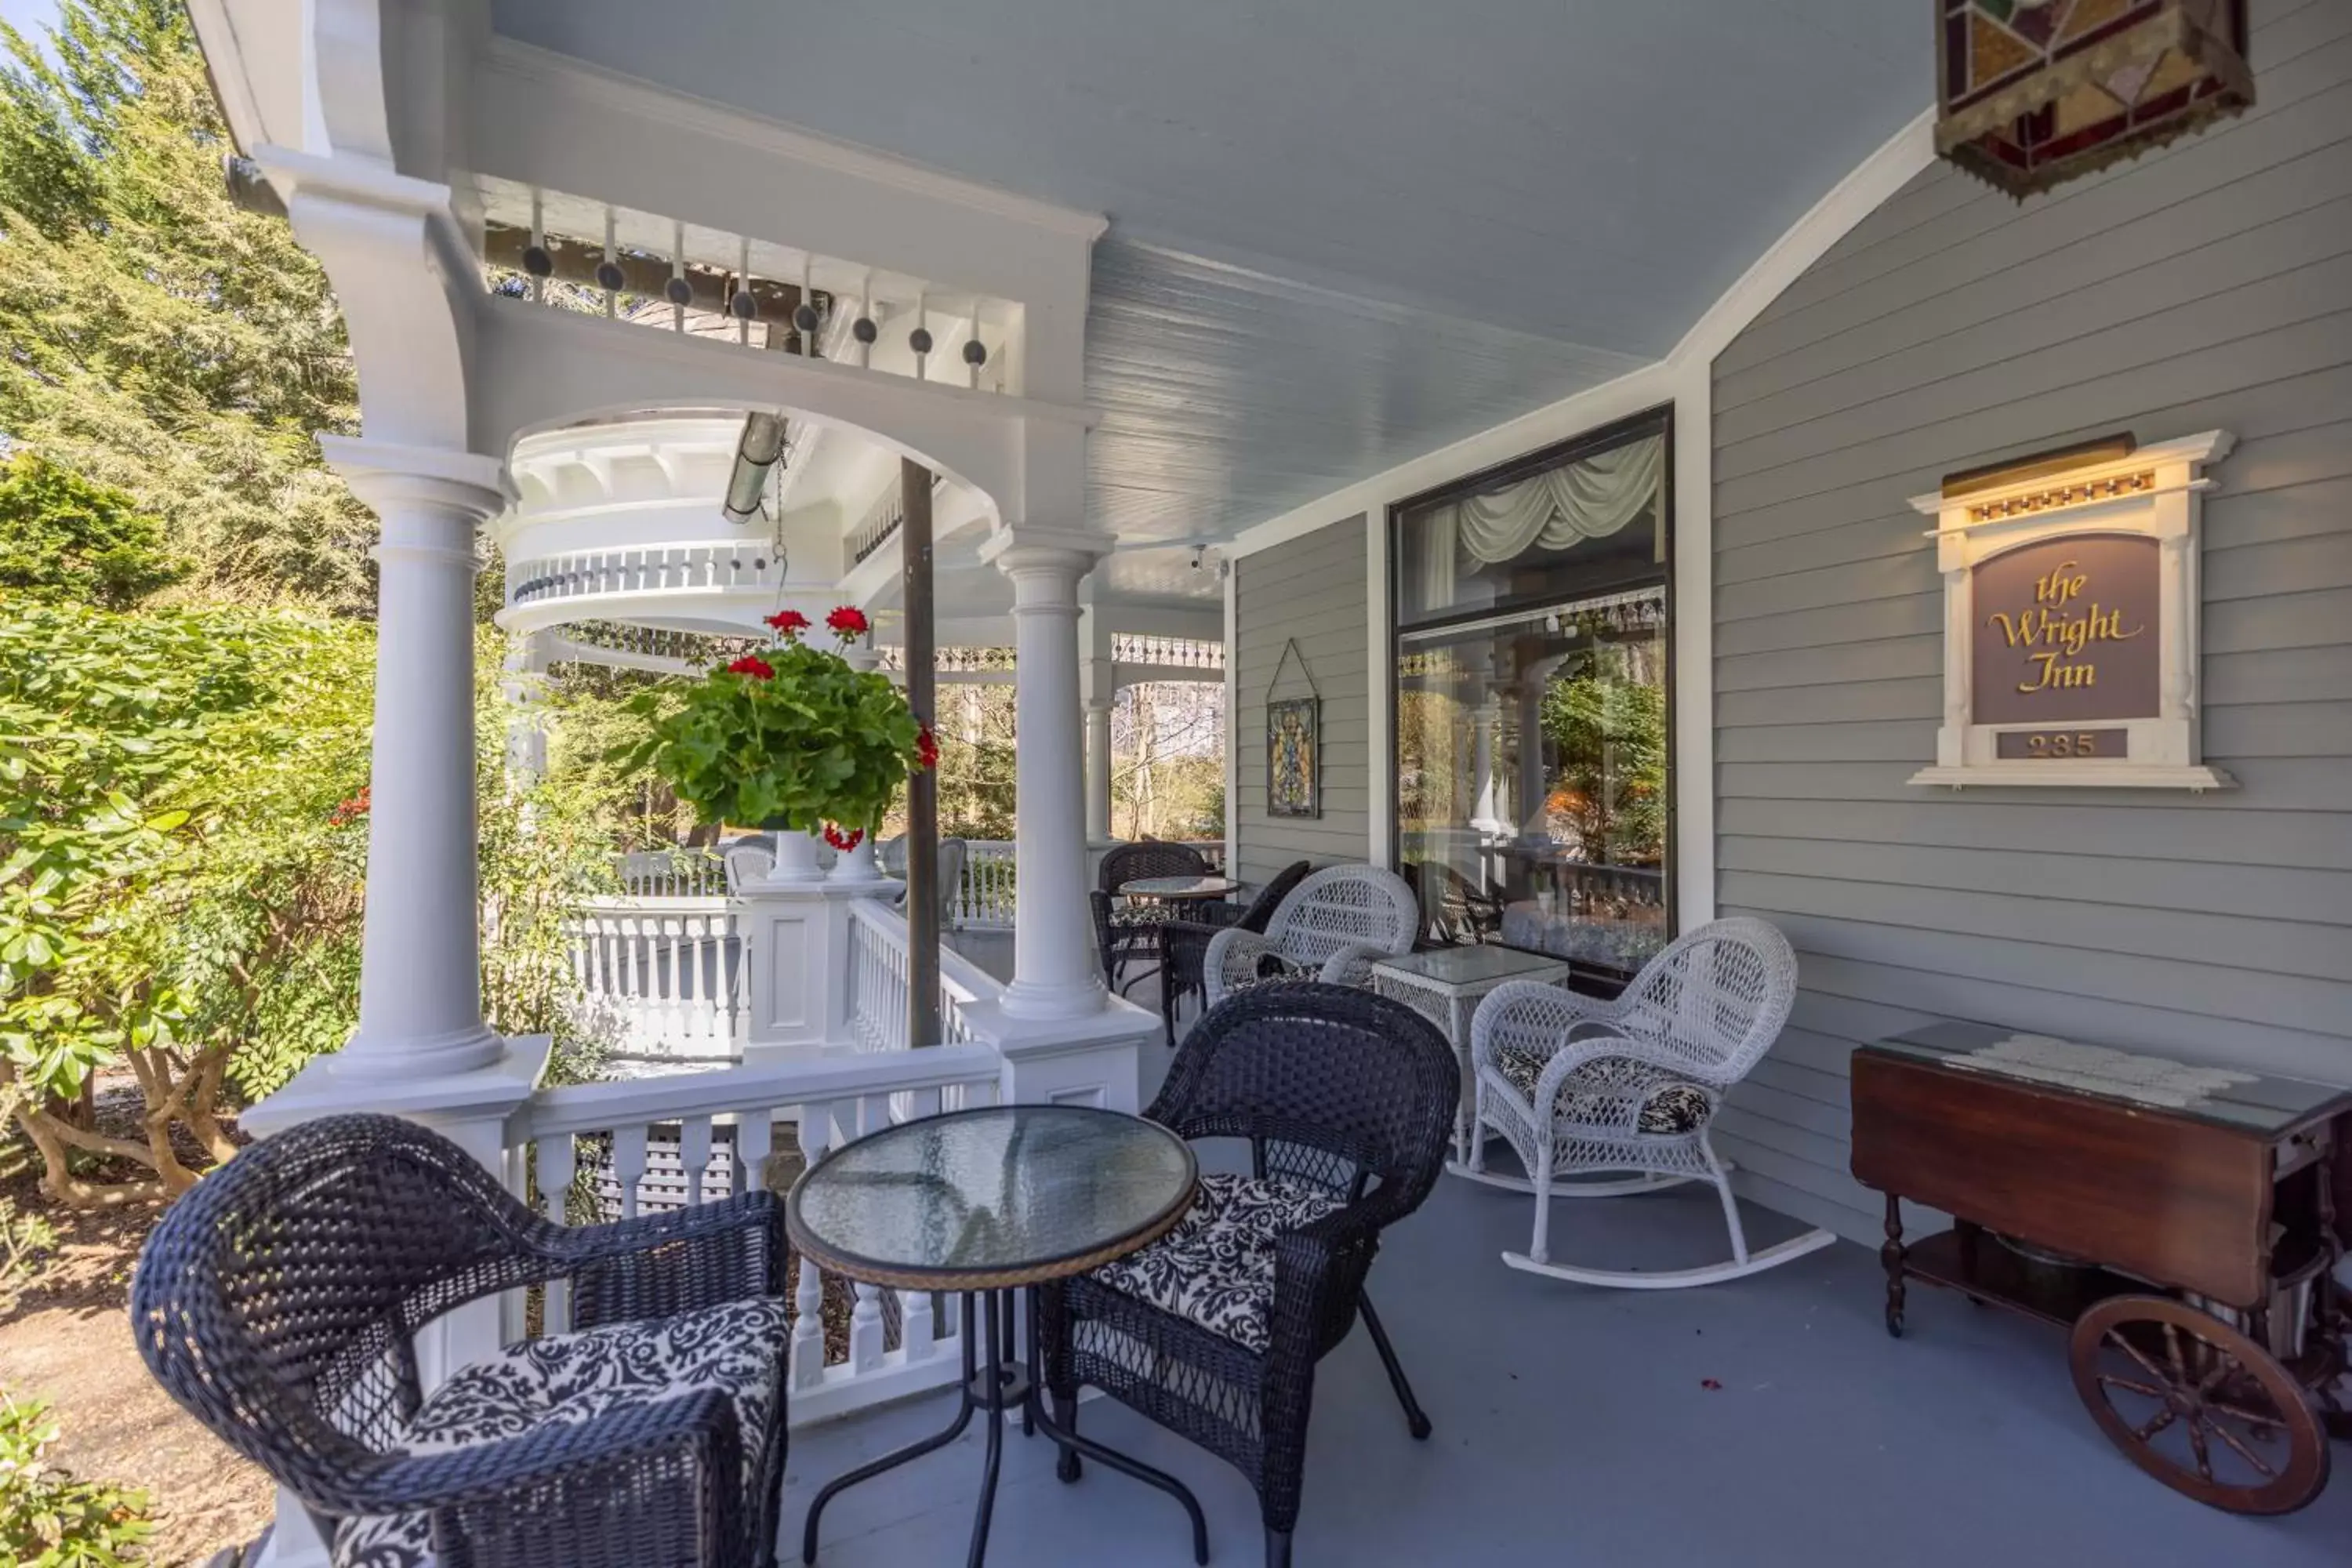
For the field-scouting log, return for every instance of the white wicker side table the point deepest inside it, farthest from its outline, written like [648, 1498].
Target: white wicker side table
[1445, 985]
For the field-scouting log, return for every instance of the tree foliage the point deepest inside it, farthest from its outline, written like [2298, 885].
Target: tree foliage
[64, 538]
[1606, 716]
[158, 339]
[183, 845]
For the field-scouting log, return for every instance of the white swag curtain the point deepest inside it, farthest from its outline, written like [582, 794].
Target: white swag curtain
[1589, 499]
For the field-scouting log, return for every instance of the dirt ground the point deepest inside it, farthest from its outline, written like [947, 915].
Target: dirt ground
[68, 1342]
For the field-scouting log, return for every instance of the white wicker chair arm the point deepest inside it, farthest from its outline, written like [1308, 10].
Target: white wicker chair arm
[1519, 1009]
[1352, 964]
[1232, 960]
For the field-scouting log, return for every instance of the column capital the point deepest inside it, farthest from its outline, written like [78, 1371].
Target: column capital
[1045, 563]
[386, 474]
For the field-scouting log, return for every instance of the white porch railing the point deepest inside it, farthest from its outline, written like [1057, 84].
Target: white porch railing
[666, 972]
[675, 1141]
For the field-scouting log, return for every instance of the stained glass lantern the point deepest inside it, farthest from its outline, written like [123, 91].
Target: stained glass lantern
[2036, 91]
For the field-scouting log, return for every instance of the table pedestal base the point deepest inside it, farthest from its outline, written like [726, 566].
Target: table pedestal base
[1001, 1386]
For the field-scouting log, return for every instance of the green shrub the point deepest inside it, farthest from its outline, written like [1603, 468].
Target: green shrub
[48, 1519]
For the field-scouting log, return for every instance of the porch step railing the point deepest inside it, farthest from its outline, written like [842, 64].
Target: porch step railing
[664, 973]
[877, 982]
[680, 873]
[591, 1151]
[984, 899]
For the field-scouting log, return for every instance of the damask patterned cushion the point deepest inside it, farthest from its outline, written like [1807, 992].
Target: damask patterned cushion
[1126, 916]
[1217, 1267]
[566, 1379]
[1669, 1110]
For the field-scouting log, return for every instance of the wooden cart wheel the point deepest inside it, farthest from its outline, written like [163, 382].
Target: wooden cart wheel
[2198, 1404]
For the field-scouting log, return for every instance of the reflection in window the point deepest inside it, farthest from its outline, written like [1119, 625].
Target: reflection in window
[1532, 793]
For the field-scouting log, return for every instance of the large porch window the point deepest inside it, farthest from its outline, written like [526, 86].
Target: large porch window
[1533, 609]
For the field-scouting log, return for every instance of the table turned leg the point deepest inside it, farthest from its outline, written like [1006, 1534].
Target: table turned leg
[1891, 1255]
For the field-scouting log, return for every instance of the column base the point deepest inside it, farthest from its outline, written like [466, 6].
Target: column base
[1027, 999]
[443, 1100]
[378, 1059]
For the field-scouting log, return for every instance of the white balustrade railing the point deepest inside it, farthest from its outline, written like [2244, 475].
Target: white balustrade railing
[609, 1150]
[666, 971]
[1173, 653]
[878, 982]
[694, 873]
[983, 894]
[700, 566]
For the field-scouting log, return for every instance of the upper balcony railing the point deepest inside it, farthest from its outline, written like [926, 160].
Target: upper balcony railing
[708, 567]
[574, 253]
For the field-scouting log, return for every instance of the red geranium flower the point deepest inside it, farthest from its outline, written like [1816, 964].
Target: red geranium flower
[845, 842]
[926, 748]
[849, 622]
[351, 810]
[789, 623]
[753, 664]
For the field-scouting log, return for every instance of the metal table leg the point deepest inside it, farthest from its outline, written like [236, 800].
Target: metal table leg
[990, 1391]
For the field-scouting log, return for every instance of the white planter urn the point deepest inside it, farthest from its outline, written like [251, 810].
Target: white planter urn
[796, 858]
[858, 865]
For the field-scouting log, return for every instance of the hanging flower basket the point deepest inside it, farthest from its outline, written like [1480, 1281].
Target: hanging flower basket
[792, 737]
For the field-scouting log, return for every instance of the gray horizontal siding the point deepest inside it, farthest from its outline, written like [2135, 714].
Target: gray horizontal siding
[2209, 285]
[1312, 589]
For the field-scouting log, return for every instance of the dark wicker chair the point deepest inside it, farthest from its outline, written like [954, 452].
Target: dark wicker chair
[1125, 929]
[1342, 1095]
[1184, 941]
[280, 1300]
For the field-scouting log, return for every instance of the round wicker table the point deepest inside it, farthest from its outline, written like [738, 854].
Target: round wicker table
[986, 1205]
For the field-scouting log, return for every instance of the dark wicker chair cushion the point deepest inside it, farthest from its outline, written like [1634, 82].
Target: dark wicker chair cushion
[1669, 1109]
[1217, 1267]
[565, 1380]
[1128, 916]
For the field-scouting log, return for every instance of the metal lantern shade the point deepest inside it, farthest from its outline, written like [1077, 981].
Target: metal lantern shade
[2033, 92]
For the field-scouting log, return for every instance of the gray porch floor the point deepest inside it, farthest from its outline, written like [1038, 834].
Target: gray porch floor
[1577, 1425]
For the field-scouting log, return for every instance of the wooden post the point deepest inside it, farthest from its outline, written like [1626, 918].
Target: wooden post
[923, 788]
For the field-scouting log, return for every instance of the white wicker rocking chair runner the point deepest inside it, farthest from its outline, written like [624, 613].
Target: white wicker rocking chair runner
[1580, 1087]
[1331, 927]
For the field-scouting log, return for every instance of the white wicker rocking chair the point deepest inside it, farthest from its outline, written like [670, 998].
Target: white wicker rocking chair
[1331, 927]
[1581, 1087]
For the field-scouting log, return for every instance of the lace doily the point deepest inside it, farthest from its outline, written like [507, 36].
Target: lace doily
[2096, 1070]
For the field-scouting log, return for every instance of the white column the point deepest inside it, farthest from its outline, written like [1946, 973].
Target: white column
[1485, 721]
[1055, 971]
[1099, 684]
[1098, 772]
[526, 692]
[420, 965]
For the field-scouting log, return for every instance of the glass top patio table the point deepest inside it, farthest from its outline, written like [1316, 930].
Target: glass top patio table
[1471, 964]
[1179, 887]
[992, 1199]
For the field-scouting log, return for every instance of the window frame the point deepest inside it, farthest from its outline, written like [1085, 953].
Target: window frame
[1658, 421]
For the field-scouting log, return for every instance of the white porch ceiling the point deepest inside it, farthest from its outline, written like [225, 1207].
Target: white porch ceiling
[1340, 236]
